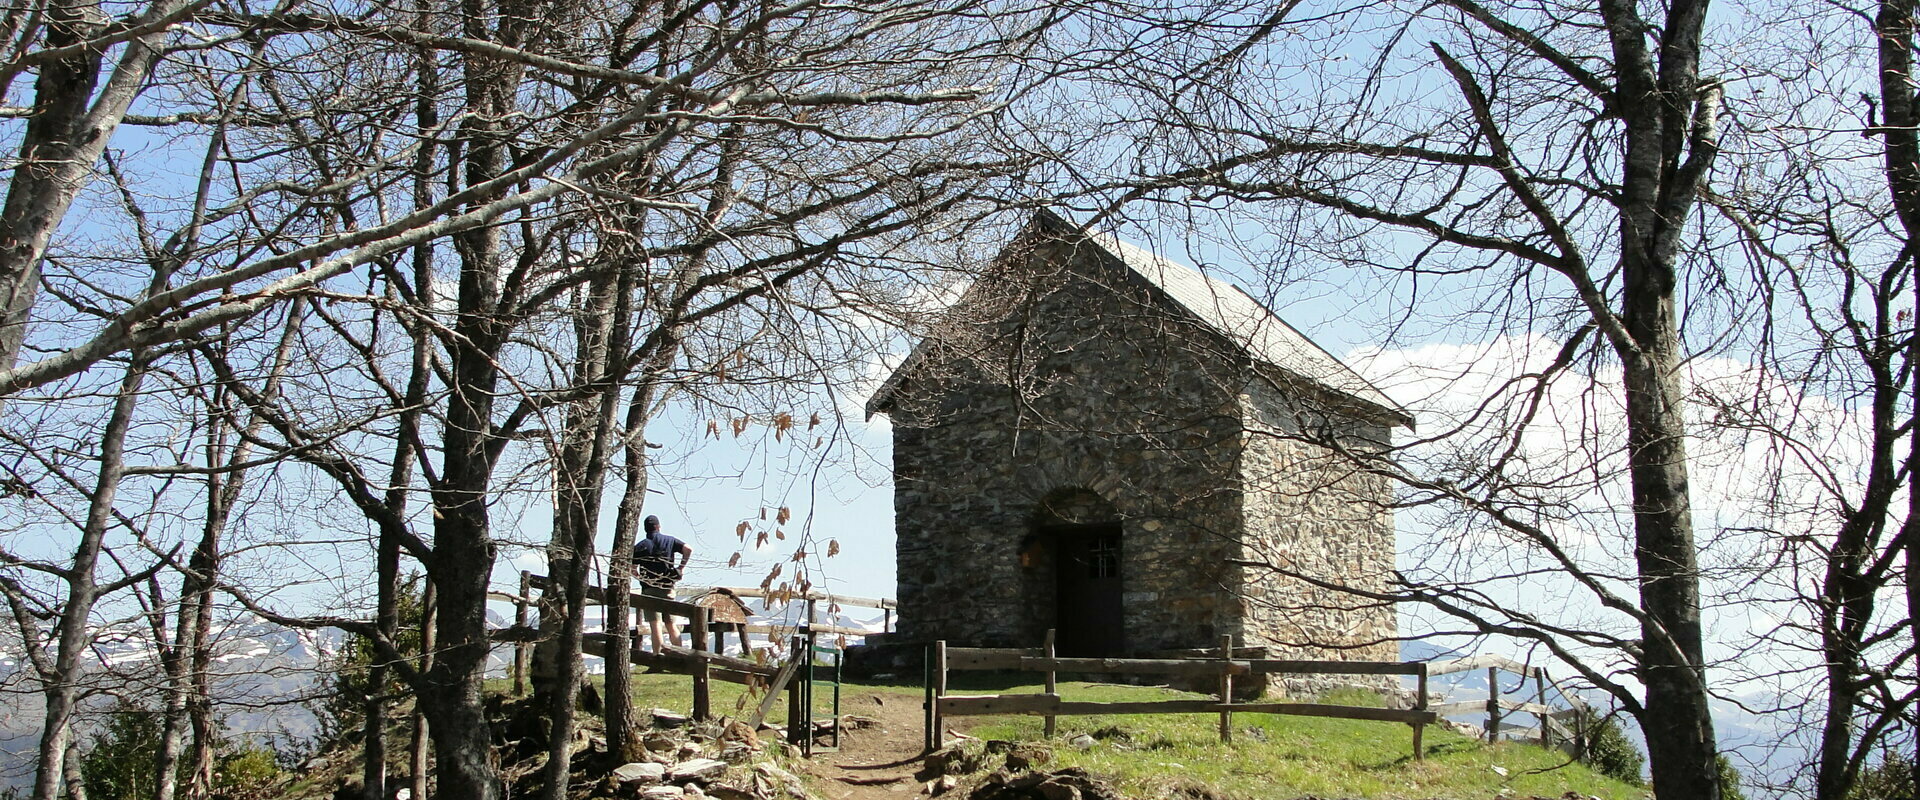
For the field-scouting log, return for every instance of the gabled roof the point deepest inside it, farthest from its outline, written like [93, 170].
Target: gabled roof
[1221, 307]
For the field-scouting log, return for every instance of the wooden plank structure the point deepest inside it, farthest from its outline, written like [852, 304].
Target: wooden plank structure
[711, 613]
[1220, 662]
[1553, 726]
[816, 595]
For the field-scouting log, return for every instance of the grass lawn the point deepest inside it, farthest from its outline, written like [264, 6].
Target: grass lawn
[1170, 755]
[1276, 756]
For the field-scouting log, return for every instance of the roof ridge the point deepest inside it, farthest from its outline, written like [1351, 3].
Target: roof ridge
[1255, 338]
[1286, 349]
[1304, 336]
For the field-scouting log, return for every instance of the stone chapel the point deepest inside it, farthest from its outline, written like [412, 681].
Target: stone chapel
[1101, 441]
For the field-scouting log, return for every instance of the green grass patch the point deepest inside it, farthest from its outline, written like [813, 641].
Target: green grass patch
[1273, 756]
[1179, 756]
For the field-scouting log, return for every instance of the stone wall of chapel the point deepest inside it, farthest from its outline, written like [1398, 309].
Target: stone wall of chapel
[1086, 385]
[1314, 518]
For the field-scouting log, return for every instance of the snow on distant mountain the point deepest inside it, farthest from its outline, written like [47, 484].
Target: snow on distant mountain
[264, 674]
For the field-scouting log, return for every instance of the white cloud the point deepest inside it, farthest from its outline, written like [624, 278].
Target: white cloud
[1769, 459]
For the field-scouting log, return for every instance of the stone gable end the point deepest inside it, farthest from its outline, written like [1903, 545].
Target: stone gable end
[1073, 449]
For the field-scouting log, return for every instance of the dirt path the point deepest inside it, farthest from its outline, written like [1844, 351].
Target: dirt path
[879, 762]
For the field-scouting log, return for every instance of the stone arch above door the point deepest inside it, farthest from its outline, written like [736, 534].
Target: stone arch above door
[1074, 506]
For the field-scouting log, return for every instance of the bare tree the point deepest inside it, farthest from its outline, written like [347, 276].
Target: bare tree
[836, 178]
[1825, 227]
[1564, 145]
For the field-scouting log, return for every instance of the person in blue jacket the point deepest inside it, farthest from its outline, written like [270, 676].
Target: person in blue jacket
[653, 565]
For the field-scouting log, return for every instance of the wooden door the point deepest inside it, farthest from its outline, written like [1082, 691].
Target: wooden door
[1088, 576]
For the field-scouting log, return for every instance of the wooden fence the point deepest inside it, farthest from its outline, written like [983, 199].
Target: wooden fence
[813, 599]
[702, 661]
[1049, 704]
[1553, 726]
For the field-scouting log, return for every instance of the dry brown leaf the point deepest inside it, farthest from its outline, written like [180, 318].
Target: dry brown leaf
[833, 547]
[734, 561]
[784, 515]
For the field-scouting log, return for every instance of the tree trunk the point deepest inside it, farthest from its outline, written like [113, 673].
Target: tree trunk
[189, 641]
[173, 711]
[462, 565]
[373, 754]
[418, 756]
[579, 484]
[623, 724]
[463, 556]
[463, 549]
[62, 142]
[62, 689]
[35, 200]
[427, 118]
[1679, 722]
[1669, 145]
[1894, 29]
[76, 780]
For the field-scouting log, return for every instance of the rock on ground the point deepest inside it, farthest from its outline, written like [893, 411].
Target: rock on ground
[1072, 783]
[638, 772]
[699, 769]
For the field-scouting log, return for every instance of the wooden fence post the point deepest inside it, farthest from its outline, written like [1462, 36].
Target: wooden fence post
[797, 721]
[1226, 688]
[1540, 699]
[1493, 705]
[939, 691]
[702, 676]
[1053, 686]
[808, 640]
[1580, 721]
[1420, 704]
[520, 651]
[926, 680]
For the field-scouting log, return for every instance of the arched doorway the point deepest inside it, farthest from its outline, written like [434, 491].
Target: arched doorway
[1082, 534]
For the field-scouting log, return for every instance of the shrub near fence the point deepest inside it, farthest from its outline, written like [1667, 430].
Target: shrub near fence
[1050, 704]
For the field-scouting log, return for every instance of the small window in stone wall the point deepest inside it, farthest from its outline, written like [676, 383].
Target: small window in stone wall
[1103, 556]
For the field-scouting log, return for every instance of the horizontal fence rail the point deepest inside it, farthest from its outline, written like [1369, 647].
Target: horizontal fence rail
[1050, 704]
[703, 661]
[1553, 726]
